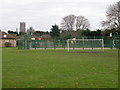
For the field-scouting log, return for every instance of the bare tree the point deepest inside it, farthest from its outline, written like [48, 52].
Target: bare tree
[68, 22]
[82, 23]
[71, 21]
[113, 17]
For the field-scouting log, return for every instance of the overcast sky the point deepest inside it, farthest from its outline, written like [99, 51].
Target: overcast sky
[41, 14]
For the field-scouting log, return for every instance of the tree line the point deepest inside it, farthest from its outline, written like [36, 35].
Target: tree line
[72, 25]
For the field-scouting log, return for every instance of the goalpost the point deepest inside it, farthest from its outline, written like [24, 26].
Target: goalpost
[76, 44]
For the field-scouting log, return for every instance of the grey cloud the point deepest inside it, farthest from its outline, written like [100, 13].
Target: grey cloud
[41, 14]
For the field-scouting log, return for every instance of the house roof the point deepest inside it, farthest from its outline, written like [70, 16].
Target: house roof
[4, 35]
[14, 35]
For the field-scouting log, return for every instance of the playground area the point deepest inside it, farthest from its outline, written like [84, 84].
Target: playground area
[57, 68]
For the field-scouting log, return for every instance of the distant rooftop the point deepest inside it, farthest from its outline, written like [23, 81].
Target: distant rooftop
[4, 35]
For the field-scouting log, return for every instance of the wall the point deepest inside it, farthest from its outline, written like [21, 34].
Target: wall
[3, 41]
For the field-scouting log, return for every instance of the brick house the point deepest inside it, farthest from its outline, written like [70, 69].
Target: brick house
[4, 37]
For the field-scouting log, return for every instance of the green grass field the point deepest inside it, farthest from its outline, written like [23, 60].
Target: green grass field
[59, 69]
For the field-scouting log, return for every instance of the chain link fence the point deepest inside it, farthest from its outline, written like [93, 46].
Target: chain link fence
[27, 43]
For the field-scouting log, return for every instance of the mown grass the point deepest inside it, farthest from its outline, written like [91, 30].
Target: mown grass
[59, 69]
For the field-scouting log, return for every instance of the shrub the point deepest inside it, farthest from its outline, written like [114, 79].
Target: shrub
[7, 44]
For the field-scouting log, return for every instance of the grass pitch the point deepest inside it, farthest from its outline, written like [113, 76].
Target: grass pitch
[59, 69]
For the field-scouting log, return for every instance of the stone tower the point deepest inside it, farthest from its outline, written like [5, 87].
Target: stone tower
[22, 27]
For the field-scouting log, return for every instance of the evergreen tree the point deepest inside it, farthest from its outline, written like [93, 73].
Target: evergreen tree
[55, 31]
